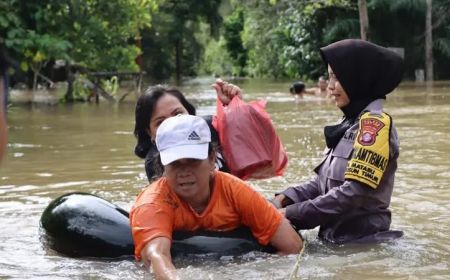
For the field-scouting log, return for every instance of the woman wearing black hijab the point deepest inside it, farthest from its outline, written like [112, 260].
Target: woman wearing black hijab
[350, 195]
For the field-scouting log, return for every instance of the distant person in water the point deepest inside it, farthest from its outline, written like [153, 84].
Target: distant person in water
[321, 89]
[192, 196]
[298, 90]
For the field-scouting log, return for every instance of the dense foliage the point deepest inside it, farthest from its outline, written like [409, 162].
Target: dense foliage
[282, 37]
[98, 34]
[171, 47]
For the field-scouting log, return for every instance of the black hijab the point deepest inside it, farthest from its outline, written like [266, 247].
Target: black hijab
[366, 72]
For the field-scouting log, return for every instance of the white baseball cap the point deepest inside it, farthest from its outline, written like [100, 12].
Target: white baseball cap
[183, 136]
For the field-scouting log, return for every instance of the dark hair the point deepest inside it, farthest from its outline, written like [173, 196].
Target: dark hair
[297, 88]
[144, 111]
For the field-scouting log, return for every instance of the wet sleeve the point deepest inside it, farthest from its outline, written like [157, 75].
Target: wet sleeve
[220, 161]
[149, 221]
[305, 191]
[257, 213]
[153, 166]
[328, 207]
[214, 134]
[149, 169]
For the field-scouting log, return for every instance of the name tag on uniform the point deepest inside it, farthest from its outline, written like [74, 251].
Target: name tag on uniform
[371, 150]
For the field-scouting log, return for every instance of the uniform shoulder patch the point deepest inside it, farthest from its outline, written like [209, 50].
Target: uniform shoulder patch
[369, 128]
[371, 150]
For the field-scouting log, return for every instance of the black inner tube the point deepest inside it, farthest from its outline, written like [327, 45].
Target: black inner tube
[84, 225]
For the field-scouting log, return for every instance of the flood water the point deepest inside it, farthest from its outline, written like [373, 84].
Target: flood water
[54, 150]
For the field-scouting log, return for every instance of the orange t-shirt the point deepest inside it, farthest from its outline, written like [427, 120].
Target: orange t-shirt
[158, 212]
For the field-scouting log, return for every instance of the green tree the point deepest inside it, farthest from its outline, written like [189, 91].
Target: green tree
[232, 29]
[310, 26]
[282, 37]
[95, 34]
[20, 34]
[171, 45]
[390, 31]
[263, 38]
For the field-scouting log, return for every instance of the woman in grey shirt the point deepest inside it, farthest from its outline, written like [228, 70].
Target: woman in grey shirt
[350, 195]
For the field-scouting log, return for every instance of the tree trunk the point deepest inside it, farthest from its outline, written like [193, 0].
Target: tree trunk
[35, 80]
[35, 69]
[429, 43]
[140, 58]
[363, 20]
[3, 126]
[70, 79]
[178, 50]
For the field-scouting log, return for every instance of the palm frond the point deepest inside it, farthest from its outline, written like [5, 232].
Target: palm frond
[342, 29]
[379, 4]
[413, 6]
[442, 45]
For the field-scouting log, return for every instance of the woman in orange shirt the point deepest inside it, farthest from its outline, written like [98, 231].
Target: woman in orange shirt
[193, 196]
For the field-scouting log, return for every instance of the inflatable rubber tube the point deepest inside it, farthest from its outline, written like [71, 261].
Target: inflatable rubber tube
[85, 225]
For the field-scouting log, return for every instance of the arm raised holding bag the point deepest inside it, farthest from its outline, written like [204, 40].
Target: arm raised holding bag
[248, 139]
[161, 102]
[153, 107]
[226, 91]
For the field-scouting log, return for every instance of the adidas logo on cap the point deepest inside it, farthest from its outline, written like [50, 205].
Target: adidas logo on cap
[183, 136]
[193, 136]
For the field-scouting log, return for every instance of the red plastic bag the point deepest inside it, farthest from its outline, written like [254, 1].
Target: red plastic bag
[249, 142]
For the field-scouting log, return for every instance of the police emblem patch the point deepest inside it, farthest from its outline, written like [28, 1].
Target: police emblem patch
[371, 150]
[369, 131]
